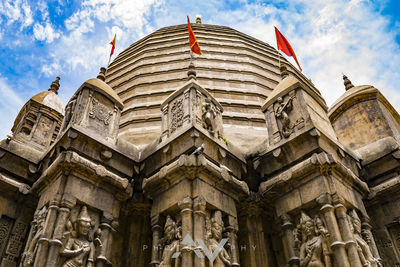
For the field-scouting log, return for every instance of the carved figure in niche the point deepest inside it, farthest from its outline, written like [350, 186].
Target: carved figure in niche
[69, 112]
[311, 249]
[171, 241]
[79, 249]
[39, 219]
[217, 226]
[364, 251]
[208, 115]
[281, 112]
[100, 112]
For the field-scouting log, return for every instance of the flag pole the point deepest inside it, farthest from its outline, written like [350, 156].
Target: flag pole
[109, 59]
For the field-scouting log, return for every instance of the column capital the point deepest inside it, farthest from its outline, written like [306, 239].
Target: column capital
[199, 203]
[286, 221]
[185, 204]
[324, 199]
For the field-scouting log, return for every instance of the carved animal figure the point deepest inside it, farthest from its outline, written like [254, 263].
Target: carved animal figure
[208, 115]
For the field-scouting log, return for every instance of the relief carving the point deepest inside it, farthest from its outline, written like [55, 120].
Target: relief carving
[5, 229]
[313, 251]
[100, 112]
[364, 251]
[69, 109]
[170, 243]
[177, 114]
[79, 248]
[216, 227]
[39, 218]
[208, 115]
[282, 110]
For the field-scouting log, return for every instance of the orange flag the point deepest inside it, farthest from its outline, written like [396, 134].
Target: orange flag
[284, 46]
[194, 45]
[113, 45]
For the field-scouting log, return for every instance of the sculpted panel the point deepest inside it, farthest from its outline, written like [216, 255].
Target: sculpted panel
[170, 244]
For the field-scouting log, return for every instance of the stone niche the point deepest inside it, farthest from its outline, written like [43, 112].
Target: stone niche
[95, 108]
[191, 105]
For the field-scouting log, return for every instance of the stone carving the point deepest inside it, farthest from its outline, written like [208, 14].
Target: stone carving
[282, 110]
[364, 251]
[43, 131]
[5, 229]
[208, 115]
[79, 248]
[214, 238]
[100, 112]
[312, 249]
[69, 109]
[177, 114]
[39, 219]
[170, 242]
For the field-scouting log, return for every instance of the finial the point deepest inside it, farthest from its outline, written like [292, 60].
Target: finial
[284, 72]
[191, 72]
[347, 83]
[102, 74]
[55, 85]
[198, 19]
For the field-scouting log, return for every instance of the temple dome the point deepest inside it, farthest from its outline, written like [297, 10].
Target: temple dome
[51, 100]
[239, 71]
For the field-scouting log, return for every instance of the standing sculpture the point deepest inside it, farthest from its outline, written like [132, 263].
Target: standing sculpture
[171, 244]
[208, 115]
[79, 249]
[28, 257]
[281, 112]
[364, 251]
[217, 226]
[312, 247]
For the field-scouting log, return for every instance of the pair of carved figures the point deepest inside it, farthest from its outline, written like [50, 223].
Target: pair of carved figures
[171, 242]
[312, 239]
[78, 250]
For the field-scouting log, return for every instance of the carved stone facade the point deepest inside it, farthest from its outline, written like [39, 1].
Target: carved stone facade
[236, 162]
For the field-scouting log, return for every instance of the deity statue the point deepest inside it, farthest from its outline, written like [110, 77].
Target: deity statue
[217, 226]
[79, 249]
[39, 219]
[364, 251]
[68, 112]
[281, 112]
[208, 115]
[171, 244]
[311, 249]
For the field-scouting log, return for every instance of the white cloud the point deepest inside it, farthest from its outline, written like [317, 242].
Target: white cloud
[45, 33]
[16, 11]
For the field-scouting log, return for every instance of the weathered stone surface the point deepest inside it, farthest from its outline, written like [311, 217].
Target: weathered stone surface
[166, 161]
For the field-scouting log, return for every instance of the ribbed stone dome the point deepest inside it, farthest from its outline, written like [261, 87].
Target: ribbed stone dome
[238, 70]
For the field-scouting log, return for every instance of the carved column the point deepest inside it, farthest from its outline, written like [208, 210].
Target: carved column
[337, 245]
[43, 243]
[288, 240]
[199, 207]
[351, 246]
[157, 232]
[232, 230]
[366, 229]
[106, 240]
[187, 229]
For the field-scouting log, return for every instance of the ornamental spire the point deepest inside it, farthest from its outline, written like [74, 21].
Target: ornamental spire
[102, 74]
[55, 85]
[347, 83]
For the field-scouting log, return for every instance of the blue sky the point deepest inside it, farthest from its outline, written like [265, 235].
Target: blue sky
[42, 39]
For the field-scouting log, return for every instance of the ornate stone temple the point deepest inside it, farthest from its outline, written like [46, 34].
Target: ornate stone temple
[231, 158]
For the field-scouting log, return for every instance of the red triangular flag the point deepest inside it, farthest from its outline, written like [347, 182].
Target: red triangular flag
[194, 45]
[284, 46]
[113, 45]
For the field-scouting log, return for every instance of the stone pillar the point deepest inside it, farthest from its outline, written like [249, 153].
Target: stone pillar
[199, 207]
[351, 246]
[337, 245]
[157, 232]
[232, 229]
[106, 240]
[366, 230]
[187, 229]
[55, 242]
[43, 243]
[288, 240]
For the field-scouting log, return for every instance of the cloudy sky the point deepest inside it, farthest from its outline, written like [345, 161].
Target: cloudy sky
[42, 39]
